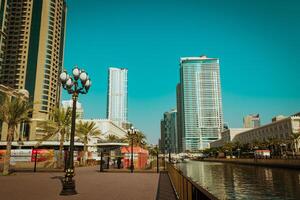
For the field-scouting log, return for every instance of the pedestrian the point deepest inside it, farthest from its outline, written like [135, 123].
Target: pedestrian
[119, 162]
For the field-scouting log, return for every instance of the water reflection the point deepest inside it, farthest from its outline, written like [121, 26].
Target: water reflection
[230, 181]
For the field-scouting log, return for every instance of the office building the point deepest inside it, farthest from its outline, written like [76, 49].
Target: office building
[117, 95]
[201, 102]
[79, 109]
[169, 131]
[180, 141]
[3, 33]
[162, 146]
[34, 51]
[251, 121]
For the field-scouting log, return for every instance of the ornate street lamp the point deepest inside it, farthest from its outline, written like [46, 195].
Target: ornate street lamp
[132, 133]
[80, 83]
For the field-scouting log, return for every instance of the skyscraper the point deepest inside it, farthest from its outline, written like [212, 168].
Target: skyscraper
[3, 22]
[33, 56]
[117, 95]
[179, 119]
[201, 101]
[169, 131]
[251, 121]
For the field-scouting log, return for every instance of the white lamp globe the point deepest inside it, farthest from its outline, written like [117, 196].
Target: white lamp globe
[83, 76]
[87, 83]
[69, 82]
[63, 77]
[76, 72]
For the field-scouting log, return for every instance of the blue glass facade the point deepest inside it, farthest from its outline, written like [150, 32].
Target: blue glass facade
[202, 116]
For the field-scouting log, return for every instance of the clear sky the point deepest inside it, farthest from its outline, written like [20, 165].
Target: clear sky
[257, 41]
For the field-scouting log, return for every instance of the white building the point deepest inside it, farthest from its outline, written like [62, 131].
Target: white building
[280, 128]
[117, 95]
[69, 104]
[201, 102]
[107, 127]
[227, 136]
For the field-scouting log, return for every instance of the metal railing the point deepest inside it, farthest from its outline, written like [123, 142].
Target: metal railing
[185, 188]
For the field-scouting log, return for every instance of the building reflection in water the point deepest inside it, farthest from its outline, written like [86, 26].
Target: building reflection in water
[230, 181]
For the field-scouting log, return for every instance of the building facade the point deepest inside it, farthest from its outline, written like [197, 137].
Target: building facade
[251, 121]
[281, 129]
[33, 58]
[117, 95]
[201, 102]
[169, 131]
[180, 141]
[79, 109]
[227, 136]
[107, 127]
[3, 33]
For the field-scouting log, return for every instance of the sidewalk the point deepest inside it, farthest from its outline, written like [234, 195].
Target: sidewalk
[90, 185]
[165, 190]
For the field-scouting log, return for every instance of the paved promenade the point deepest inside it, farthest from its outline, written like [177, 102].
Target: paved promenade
[90, 185]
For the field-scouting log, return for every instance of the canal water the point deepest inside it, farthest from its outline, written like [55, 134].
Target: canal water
[233, 181]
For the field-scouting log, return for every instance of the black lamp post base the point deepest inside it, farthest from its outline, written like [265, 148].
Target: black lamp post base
[68, 188]
[131, 168]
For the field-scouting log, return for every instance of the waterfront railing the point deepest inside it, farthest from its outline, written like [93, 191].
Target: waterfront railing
[185, 187]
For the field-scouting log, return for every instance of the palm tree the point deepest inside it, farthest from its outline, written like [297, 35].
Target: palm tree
[59, 125]
[228, 147]
[139, 139]
[294, 137]
[112, 138]
[13, 112]
[84, 130]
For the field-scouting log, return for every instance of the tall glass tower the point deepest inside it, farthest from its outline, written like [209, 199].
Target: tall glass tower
[117, 95]
[201, 102]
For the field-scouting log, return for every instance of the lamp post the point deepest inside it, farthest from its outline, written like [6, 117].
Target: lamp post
[78, 84]
[157, 159]
[239, 152]
[131, 133]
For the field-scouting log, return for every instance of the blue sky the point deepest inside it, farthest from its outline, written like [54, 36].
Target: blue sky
[257, 41]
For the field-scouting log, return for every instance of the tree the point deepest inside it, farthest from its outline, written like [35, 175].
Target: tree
[84, 130]
[13, 111]
[112, 138]
[60, 125]
[228, 147]
[294, 137]
[139, 139]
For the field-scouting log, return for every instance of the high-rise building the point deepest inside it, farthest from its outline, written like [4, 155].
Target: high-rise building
[162, 146]
[251, 121]
[34, 50]
[3, 33]
[179, 119]
[169, 131]
[117, 95]
[201, 102]
[69, 104]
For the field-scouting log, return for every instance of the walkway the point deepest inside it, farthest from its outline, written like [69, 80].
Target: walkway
[165, 189]
[90, 184]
